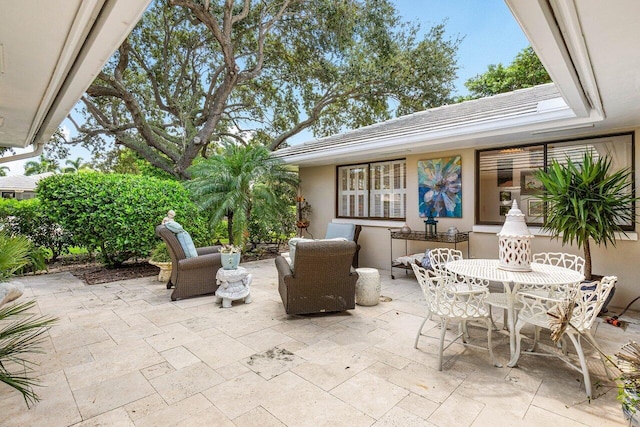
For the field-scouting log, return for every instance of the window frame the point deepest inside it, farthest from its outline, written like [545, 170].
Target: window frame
[545, 145]
[369, 190]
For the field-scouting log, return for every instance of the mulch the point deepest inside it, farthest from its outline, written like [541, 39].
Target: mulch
[94, 273]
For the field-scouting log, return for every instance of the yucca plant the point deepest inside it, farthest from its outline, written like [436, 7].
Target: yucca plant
[587, 201]
[21, 332]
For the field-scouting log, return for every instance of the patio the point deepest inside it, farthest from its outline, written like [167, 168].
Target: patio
[123, 354]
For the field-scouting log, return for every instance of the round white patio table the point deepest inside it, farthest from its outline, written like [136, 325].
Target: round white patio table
[540, 274]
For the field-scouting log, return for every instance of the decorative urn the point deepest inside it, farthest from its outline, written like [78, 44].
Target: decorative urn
[515, 242]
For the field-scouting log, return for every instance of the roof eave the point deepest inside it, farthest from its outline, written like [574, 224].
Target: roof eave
[559, 117]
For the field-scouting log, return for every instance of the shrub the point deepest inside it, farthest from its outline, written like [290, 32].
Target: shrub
[28, 218]
[117, 214]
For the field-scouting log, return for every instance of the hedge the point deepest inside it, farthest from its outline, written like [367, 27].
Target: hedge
[117, 214]
[28, 218]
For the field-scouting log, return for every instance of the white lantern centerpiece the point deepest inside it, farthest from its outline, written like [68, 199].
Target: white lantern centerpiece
[515, 242]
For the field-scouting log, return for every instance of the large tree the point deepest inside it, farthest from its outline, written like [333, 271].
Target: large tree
[193, 73]
[526, 70]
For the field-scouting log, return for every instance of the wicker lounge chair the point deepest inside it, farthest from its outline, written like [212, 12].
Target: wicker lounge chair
[190, 276]
[321, 280]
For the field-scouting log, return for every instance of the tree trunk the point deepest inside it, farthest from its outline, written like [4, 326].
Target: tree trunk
[587, 260]
[230, 226]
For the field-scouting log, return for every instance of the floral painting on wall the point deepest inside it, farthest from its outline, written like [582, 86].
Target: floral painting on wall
[440, 187]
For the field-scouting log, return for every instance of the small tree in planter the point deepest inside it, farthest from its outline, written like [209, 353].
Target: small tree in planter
[587, 201]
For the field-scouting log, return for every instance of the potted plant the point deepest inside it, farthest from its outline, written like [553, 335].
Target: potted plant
[587, 201]
[160, 258]
[230, 256]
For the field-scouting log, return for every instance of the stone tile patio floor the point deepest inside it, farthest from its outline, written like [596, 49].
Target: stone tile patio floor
[123, 354]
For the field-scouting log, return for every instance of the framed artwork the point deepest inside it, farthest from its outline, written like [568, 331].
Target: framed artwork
[529, 183]
[535, 208]
[505, 196]
[504, 209]
[440, 187]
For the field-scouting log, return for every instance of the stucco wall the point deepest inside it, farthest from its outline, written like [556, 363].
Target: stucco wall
[319, 187]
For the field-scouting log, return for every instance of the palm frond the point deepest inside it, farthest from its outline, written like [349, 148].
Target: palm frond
[22, 333]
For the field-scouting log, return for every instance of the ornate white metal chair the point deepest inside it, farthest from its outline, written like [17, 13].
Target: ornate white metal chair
[561, 259]
[438, 257]
[447, 303]
[573, 262]
[585, 305]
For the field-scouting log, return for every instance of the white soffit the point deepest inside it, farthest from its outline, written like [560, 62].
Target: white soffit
[52, 51]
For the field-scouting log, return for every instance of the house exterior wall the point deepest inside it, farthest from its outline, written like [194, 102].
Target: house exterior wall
[319, 188]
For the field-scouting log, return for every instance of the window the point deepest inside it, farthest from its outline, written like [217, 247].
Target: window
[508, 174]
[372, 190]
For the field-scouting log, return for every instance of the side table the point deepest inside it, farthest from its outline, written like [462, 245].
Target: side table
[233, 286]
[367, 286]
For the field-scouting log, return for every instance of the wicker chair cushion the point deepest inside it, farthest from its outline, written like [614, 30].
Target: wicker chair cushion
[183, 238]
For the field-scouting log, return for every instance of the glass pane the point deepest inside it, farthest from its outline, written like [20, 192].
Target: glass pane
[507, 175]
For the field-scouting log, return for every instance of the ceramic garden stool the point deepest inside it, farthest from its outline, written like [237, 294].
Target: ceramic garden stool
[233, 286]
[367, 286]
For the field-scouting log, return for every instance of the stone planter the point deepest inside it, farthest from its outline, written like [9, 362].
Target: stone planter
[165, 270]
[230, 261]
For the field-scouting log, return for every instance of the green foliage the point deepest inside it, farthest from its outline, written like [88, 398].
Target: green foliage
[526, 70]
[177, 85]
[28, 218]
[42, 165]
[75, 166]
[117, 214]
[587, 200]
[21, 334]
[272, 226]
[14, 254]
[239, 182]
[160, 253]
[4, 170]
[127, 161]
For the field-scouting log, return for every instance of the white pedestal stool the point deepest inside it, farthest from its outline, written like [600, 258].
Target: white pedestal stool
[367, 286]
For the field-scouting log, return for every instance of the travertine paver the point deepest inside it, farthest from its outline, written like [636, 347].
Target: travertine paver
[123, 354]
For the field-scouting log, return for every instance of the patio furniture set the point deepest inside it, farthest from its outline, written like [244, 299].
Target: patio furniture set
[324, 280]
[322, 275]
[458, 289]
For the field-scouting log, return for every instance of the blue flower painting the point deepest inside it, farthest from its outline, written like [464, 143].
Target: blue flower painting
[440, 187]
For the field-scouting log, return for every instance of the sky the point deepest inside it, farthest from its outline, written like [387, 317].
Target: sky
[491, 34]
[489, 31]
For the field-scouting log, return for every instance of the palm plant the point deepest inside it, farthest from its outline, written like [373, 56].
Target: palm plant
[75, 166]
[21, 333]
[238, 180]
[587, 201]
[14, 254]
[42, 165]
